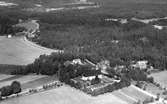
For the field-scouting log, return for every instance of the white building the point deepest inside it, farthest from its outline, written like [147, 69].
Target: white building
[91, 77]
[9, 36]
[158, 27]
[140, 64]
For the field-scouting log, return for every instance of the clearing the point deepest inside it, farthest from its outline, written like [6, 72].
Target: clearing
[19, 51]
[64, 95]
[161, 78]
[68, 95]
[27, 81]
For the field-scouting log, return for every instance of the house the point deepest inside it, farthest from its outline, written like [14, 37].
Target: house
[140, 64]
[84, 82]
[90, 77]
[9, 36]
[81, 1]
[123, 21]
[158, 27]
[120, 68]
[103, 66]
[80, 62]
[77, 61]
[80, 83]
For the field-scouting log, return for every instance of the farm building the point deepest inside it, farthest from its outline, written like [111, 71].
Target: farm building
[81, 1]
[140, 64]
[93, 83]
[9, 36]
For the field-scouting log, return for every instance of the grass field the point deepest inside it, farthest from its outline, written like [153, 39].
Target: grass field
[18, 51]
[68, 95]
[160, 78]
[22, 80]
[38, 82]
[27, 81]
[46, 3]
[131, 94]
[151, 88]
[4, 76]
[130, 8]
[65, 95]
[115, 8]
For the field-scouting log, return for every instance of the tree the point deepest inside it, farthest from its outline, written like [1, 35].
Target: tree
[95, 81]
[0, 95]
[16, 87]
[6, 91]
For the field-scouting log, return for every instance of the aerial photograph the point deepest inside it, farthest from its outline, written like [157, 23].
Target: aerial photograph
[83, 51]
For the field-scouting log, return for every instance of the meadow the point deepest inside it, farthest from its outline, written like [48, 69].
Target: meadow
[68, 95]
[18, 51]
[27, 81]
[160, 78]
[85, 31]
[114, 8]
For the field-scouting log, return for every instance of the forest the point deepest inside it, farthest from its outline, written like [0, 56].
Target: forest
[81, 32]
[91, 34]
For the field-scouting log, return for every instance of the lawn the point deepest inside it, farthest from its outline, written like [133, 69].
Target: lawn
[151, 88]
[38, 82]
[65, 95]
[18, 51]
[27, 81]
[4, 76]
[129, 8]
[131, 94]
[11, 77]
[23, 80]
[68, 95]
[134, 93]
[46, 3]
[115, 8]
[160, 77]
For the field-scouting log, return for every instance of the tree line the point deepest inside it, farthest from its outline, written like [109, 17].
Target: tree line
[14, 88]
[50, 64]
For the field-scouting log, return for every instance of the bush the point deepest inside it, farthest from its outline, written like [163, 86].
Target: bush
[14, 88]
[50, 64]
[151, 79]
[6, 91]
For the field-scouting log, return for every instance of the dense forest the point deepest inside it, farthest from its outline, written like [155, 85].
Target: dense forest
[120, 43]
[81, 32]
[50, 64]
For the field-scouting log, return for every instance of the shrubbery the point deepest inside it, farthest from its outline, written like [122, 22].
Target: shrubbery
[50, 64]
[6, 23]
[136, 41]
[14, 88]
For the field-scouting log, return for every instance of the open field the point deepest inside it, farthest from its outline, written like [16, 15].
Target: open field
[160, 78]
[38, 82]
[45, 3]
[22, 80]
[64, 95]
[136, 8]
[4, 76]
[27, 81]
[114, 8]
[3, 3]
[131, 94]
[151, 88]
[68, 95]
[18, 51]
